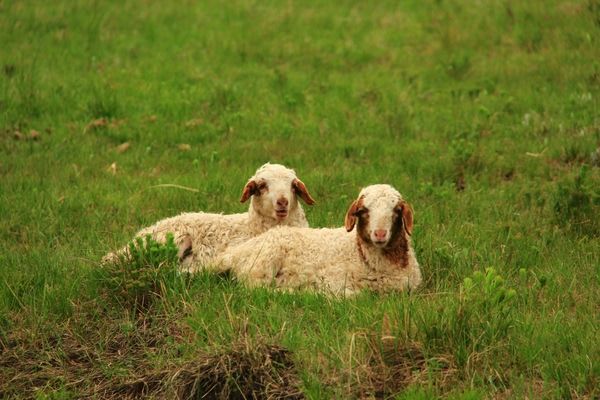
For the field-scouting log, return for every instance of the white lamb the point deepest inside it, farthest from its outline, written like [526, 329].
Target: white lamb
[201, 236]
[379, 256]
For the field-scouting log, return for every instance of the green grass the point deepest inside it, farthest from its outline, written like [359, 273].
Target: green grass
[484, 115]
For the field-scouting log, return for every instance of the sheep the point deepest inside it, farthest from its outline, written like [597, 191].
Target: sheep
[201, 236]
[379, 256]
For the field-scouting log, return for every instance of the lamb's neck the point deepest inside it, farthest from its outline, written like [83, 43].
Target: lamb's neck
[396, 254]
[258, 223]
[296, 218]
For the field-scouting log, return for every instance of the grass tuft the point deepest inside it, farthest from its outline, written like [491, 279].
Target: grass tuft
[149, 272]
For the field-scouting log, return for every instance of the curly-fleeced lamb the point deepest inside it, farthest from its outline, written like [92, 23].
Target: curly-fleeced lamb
[377, 256]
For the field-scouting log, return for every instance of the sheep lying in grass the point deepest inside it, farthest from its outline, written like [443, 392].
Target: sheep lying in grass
[379, 256]
[201, 236]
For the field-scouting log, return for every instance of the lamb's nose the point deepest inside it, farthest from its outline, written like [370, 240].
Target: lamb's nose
[282, 202]
[380, 234]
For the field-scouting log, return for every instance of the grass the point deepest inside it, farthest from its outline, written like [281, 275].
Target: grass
[484, 115]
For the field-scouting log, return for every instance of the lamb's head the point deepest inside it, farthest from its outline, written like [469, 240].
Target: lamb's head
[381, 215]
[275, 190]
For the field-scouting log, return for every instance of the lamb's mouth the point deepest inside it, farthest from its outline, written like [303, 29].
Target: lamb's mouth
[380, 243]
[281, 214]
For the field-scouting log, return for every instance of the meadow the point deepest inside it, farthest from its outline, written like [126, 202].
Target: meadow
[484, 115]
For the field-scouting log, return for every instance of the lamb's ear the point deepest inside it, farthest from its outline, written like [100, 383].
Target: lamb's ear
[301, 191]
[351, 219]
[249, 190]
[407, 216]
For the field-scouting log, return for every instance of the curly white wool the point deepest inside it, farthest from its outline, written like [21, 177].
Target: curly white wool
[379, 256]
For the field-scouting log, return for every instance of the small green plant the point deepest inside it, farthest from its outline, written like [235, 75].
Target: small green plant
[484, 314]
[474, 325]
[485, 308]
[149, 271]
[487, 294]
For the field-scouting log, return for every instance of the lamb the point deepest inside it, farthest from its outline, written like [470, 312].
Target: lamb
[379, 256]
[201, 236]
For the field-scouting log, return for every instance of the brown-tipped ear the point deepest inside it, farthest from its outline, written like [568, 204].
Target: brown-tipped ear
[407, 216]
[351, 219]
[249, 190]
[301, 190]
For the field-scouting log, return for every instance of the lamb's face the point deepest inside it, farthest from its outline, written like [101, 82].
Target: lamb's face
[275, 190]
[380, 214]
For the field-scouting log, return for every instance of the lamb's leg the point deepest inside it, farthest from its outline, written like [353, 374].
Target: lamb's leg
[252, 264]
[185, 248]
[414, 277]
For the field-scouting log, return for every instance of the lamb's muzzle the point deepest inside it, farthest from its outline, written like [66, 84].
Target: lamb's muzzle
[281, 209]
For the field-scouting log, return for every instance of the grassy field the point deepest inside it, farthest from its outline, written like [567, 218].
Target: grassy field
[485, 115]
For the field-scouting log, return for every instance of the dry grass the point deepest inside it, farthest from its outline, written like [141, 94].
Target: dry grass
[121, 360]
[388, 365]
[245, 370]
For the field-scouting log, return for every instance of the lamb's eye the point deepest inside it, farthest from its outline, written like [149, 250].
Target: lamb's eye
[360, 211]
[261, 186]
